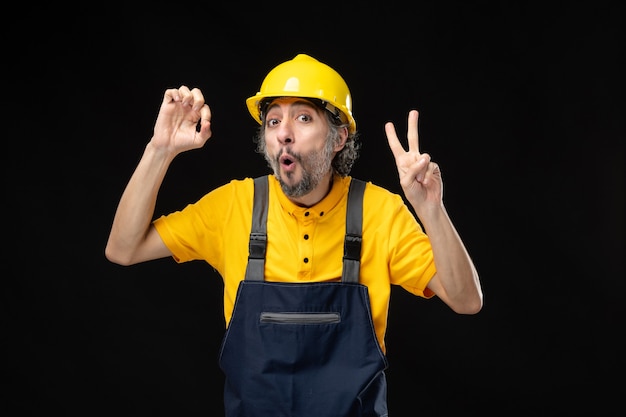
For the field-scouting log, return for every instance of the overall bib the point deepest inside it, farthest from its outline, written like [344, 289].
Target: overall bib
[303, 349]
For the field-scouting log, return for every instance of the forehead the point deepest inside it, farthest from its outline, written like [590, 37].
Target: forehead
[290, 101]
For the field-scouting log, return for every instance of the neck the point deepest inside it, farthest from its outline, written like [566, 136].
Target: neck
[317, 194]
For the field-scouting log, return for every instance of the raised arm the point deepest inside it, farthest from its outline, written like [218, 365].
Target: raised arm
[456, 281]
[133, 239]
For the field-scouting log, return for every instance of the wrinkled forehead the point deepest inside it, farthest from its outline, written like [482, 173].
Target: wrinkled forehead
[271, 102]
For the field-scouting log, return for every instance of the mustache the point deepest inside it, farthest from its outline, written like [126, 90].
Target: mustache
[288, 152]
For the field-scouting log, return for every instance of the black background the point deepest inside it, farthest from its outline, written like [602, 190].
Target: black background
[521, 104]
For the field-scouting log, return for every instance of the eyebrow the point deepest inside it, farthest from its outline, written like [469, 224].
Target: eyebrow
[339, 117]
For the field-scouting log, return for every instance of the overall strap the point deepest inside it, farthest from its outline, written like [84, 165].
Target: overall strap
[255, 270]
[352, 241]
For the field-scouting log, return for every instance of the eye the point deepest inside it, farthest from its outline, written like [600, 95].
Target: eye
[272, 122]
[304, 117]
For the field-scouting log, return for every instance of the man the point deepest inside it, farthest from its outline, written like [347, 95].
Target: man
[306, 258]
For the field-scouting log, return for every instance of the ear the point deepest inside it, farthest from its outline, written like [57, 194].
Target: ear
[343, 134]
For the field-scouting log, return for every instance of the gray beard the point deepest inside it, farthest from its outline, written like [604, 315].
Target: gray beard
[314, 167]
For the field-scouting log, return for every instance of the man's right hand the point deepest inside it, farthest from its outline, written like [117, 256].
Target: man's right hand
[181, 113]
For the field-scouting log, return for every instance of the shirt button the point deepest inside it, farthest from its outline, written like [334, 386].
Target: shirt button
[306, 260]
[306, 237]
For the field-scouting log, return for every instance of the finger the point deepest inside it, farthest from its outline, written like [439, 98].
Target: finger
[171, 94]
[204, 124]
[198, 99]
[204, 129]
[392, 139]
[184, 95]
[412, 134]
[432, 172]
[205, 113]
[418, 168]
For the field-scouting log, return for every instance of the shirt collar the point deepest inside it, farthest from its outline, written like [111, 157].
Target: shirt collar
[338, 191]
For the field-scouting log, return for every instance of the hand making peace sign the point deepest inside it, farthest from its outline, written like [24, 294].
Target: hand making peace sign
[419, 177]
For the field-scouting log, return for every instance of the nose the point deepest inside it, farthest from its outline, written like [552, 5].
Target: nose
[285, 132]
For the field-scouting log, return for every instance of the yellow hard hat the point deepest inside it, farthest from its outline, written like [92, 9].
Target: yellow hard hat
[305, 77]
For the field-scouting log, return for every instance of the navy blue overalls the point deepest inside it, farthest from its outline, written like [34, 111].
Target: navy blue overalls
[303, 349]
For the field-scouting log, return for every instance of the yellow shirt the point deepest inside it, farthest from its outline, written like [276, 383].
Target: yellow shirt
[304, 244]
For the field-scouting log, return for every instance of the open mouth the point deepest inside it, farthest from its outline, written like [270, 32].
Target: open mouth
[286, 160]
